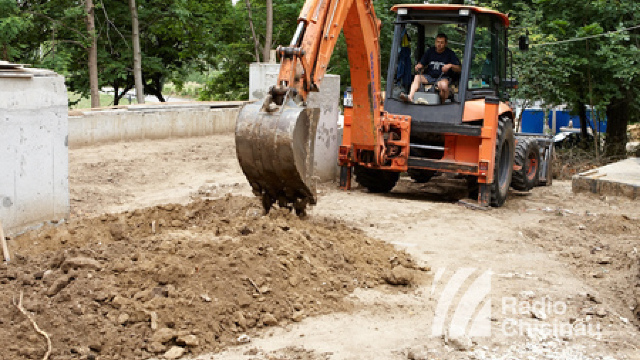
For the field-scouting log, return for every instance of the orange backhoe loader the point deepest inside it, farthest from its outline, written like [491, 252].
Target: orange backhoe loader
[470, 134]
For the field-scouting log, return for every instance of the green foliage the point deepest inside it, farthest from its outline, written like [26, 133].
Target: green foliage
[177, 37]
[211, 39]
[12, 25]
[339, 64]
[236, 50]
[234, 64]
[231, 82]
[575, 65]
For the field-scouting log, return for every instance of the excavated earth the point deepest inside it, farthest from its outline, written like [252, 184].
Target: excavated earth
[198, 277]
[167, 255]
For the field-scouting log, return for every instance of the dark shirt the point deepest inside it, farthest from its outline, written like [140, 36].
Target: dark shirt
[434, 61]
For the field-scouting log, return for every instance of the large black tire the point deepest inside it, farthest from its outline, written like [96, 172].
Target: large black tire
[527, 157]
[503, 166]
[376, 181]
[421, 176]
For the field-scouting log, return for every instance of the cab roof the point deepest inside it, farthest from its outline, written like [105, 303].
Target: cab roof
[455, 8]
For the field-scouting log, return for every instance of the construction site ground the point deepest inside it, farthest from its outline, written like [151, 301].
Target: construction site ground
[167, 255]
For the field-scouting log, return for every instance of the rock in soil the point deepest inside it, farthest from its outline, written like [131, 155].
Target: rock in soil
[188, 340]
[163, 335]
[399, 275]
[174, 353]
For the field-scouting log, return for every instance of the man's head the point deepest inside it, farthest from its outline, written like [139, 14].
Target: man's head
[441, 42]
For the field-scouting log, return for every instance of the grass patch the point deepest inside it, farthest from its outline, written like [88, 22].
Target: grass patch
[190, 90]
[105, 100]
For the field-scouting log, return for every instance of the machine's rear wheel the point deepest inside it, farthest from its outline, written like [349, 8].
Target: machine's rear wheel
[376, 181]
[503, 166]
[421, 176]
[527, 157]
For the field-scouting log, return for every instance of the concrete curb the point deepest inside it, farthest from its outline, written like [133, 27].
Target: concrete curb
[618, 179]
[155, 121]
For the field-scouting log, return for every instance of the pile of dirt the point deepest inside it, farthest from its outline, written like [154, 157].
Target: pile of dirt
[175, 280]
[603, 248]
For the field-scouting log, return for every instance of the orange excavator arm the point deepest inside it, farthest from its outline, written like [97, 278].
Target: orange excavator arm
[275, 138]
[319, 26]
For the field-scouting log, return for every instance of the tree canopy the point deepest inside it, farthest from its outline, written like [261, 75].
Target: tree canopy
[582, 53]
[177, 36]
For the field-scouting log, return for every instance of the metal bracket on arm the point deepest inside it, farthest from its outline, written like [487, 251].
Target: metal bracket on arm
[292, 55]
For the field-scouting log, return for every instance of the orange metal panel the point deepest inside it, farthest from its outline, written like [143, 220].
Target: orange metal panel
[308, 10]
[337, 13]
[488, 145]
[312, 36]
[474, 110]
[361, 35]
[467, 148]
[395, 125]
[346, 128]
[449, 147]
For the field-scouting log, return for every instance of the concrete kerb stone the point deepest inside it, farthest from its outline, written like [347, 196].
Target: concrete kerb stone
[138, 122]
[617, 179]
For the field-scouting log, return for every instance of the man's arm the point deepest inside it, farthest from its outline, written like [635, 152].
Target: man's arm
[423, 61]
[454, 65]
[447, 67]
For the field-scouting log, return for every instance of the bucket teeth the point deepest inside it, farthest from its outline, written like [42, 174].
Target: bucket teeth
[275, 151]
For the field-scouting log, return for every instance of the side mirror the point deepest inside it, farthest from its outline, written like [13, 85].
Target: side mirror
[523, 42]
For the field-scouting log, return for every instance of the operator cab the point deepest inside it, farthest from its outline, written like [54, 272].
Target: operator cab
[478, 39]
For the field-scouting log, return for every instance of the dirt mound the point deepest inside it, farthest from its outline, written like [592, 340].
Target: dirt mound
[181, 279]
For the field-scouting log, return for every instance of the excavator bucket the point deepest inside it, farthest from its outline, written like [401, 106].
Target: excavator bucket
[275, 146]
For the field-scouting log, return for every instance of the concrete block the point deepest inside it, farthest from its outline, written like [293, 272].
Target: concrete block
[263, 76]
[140, 122]
[34, 159]
[327, 143]
[621, 178]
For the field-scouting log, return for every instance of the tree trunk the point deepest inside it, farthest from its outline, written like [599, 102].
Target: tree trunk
[121, 94]
[256, 42]
[137, 57]
[523, 107]
[582, 113]
[116, 88]
[618, 112]
[155, 88]
[266, 50]
[93, 54]
[5, 52]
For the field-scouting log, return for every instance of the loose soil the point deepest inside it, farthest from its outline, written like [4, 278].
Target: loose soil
[130, 285]
[216, 268]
